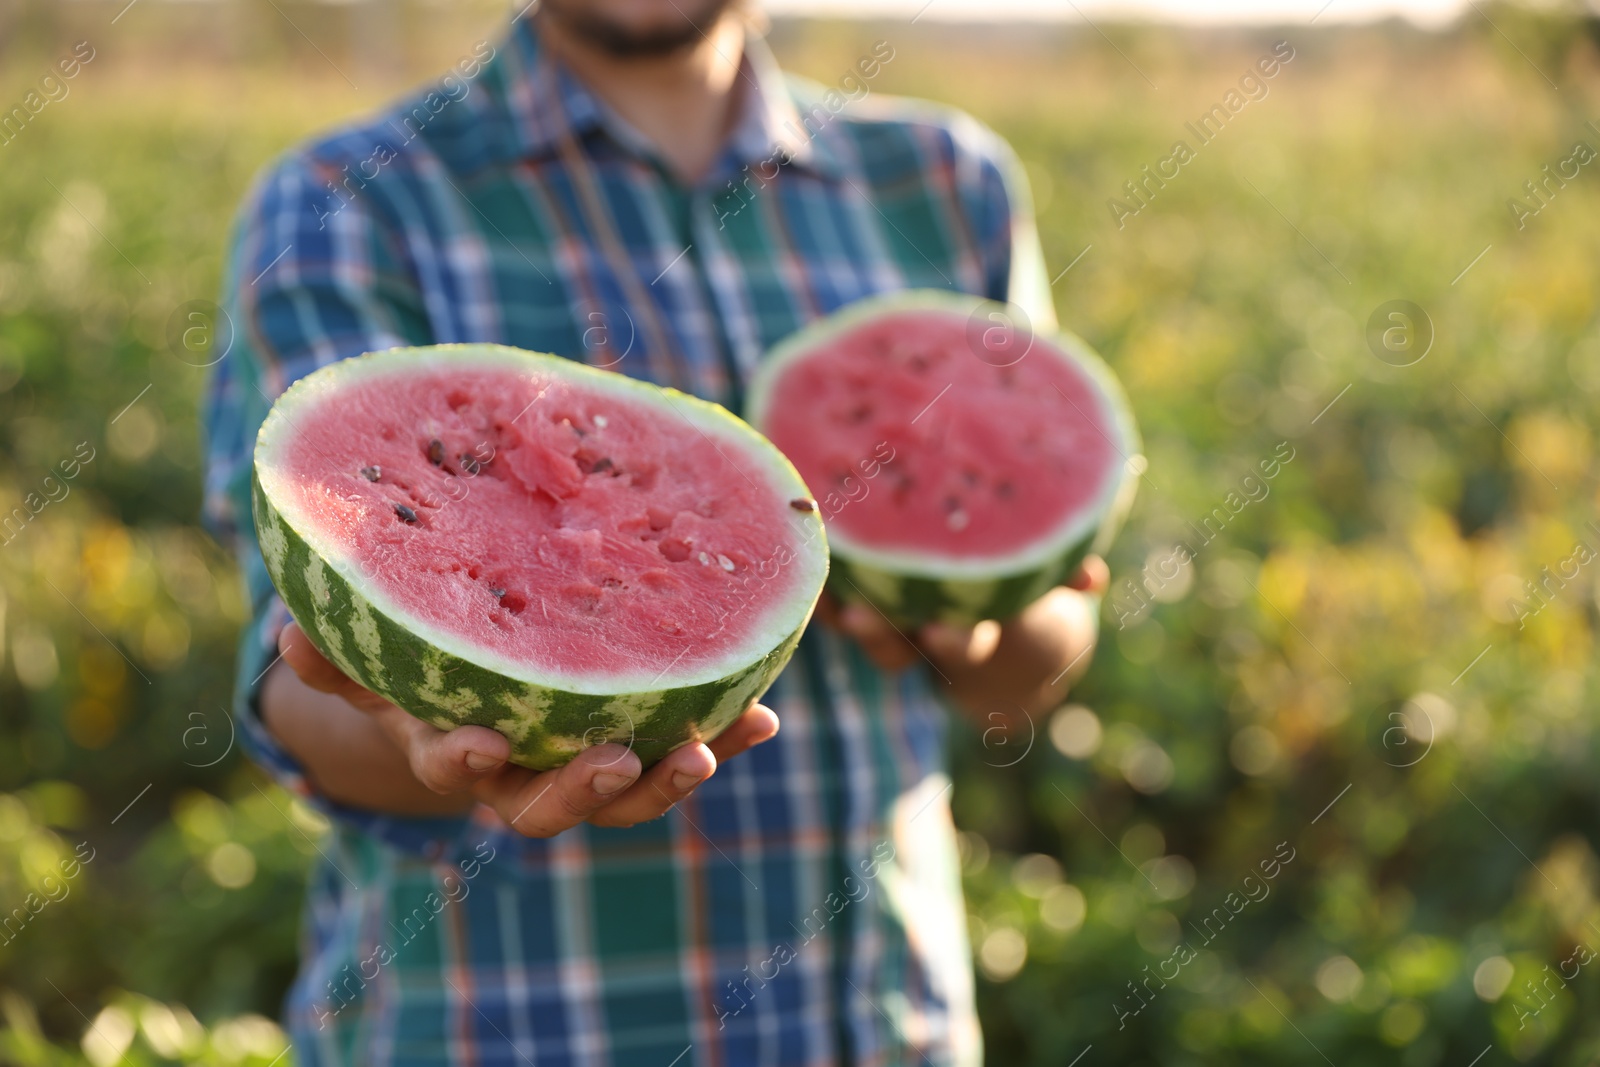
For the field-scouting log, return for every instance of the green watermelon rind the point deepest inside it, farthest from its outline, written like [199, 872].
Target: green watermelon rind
[547, 722]
[913, 588]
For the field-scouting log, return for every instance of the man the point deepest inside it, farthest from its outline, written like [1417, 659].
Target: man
[632, 182]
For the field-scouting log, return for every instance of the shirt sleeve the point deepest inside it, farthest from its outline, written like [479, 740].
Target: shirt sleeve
[1008, 233]
[312, 276]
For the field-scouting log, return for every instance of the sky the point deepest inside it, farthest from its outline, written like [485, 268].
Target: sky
[1423, 12]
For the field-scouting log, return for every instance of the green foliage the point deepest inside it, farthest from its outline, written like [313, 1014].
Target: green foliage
[1352, 673]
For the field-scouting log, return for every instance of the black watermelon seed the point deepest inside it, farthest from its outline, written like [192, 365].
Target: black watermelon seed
[603, 464]
[800, 503]
[372, 473]
[406, 514]
[470, 465]
[436, 452]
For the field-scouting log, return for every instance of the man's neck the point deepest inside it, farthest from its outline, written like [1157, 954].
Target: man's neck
[684, 103]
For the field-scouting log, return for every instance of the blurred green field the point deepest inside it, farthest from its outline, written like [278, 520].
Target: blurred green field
[1352, 687]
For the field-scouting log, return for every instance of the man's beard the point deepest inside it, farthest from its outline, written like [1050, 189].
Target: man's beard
[627, 42]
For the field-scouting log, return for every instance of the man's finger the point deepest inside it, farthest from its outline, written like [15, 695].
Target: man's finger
[310, 664]
[890, 655]
[759, 723]
[963, 646]
[1092, 576]
[865, 623]
[827, 609]
[683, 770]
[544, 804]
[662, 786]
[315, 670]
[446, 761]
[883, 643]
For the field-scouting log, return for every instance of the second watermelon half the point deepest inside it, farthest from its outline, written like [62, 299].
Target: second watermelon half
[964, 464]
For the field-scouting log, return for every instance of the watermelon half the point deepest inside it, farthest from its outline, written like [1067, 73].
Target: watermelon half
[563, 554]
[964, 464]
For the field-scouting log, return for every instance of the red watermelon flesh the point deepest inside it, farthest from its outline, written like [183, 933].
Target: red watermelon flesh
[987, 459]
[563, 528]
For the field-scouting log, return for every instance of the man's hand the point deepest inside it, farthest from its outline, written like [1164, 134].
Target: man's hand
[603, 785]
[1027, 663]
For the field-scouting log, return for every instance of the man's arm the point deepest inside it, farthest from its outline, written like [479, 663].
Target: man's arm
[361, 751]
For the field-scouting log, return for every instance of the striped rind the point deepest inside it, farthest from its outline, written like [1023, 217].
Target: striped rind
[913, 599]
[546, 723]
[912, 588]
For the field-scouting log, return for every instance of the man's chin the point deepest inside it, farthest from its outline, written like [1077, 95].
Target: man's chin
[636, 28]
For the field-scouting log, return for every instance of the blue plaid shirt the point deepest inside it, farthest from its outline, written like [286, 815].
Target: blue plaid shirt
[803, 906]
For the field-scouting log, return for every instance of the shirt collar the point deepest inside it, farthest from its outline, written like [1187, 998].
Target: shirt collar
[769, 129]
[770, 126]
